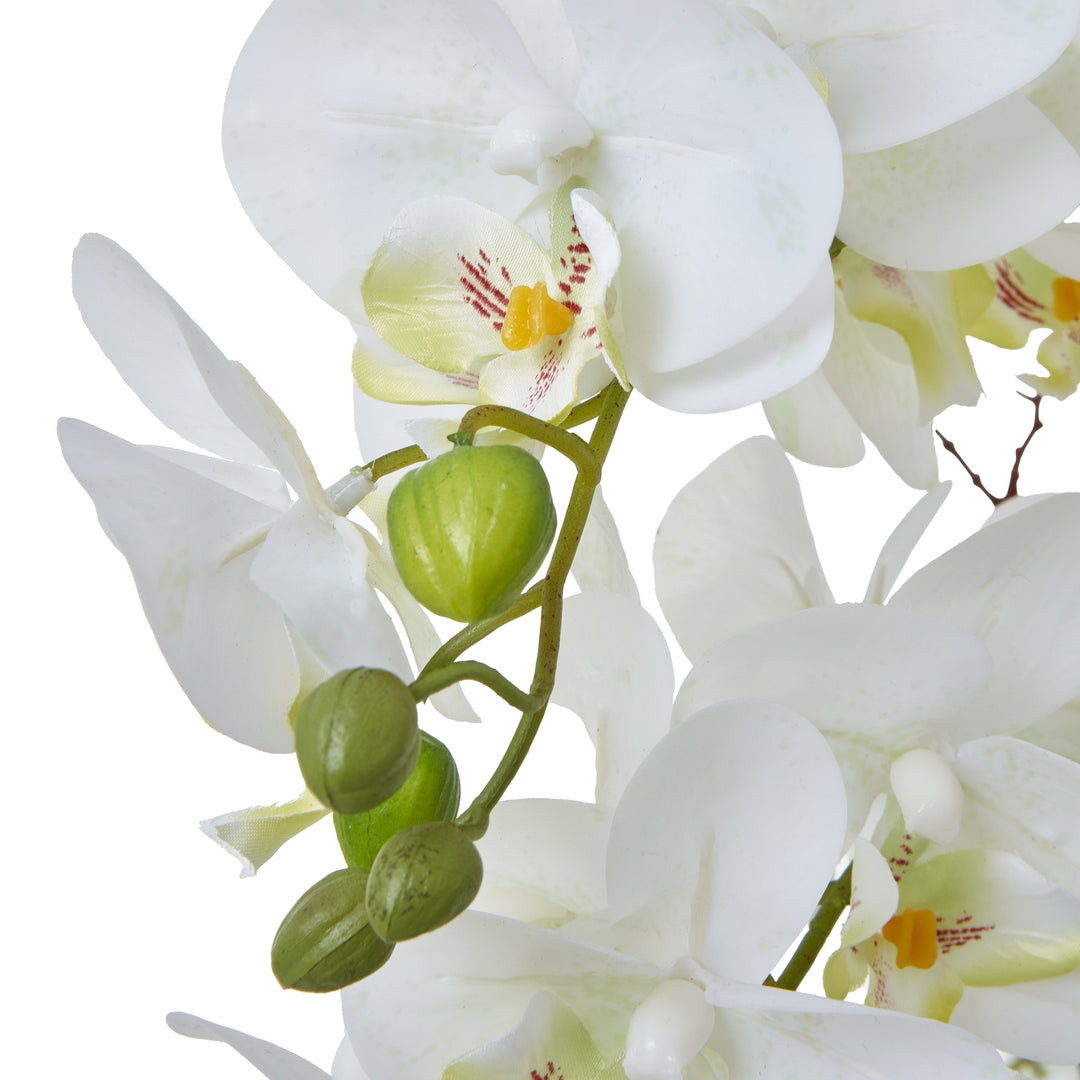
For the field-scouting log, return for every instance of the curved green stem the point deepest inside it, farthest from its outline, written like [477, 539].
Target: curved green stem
[431, 682]
[833, 900]
[474, 819]
[565, 442]
[396, 459]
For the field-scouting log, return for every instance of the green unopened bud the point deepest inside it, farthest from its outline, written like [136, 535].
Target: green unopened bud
[468, 529]
[422, 878]
[431, 793]
[326, 941]
[357, 739]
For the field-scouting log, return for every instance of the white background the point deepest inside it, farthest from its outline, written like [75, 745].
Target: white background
[117, 909]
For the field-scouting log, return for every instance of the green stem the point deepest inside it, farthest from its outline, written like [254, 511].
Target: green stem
[431, 682]
[475, 818]
[396, 459]
[833, 900]
[565, 442]
[584, 412]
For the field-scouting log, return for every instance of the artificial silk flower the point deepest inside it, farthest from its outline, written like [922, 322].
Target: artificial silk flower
[253, 596]
[898, 357]
[1032, 295]
[992, 627]
[716, 158]
[926, 926]
[927, 101]
[664, 983]
[464, 292]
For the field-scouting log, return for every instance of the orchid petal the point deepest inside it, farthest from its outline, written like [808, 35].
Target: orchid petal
[549, 1037]
[551, 847]
[542, 381]
[255, 834]
[345, 1065]
[225, 641]
[407, 1020]
[154, 346]
[869, 369]
[874, 894]
[1055, 93]
[963, 195]
[931, 992]
[901, 542]
[774, 358]
[1059, 249]
[313, 569]
[600, 564]
[735, 548]
[998, 921]
[272, 1061]
[1025, 799]
[893, 70]
[848, 670]
[758, 1029]
[694, 811]
[438, 285]
[1059, 732]
[929, 794]
[1037, 1020]
[611, 642]
[1013, 584]
[385, 375]
[812, 424]
[925, 309]
[298, 109]
[263, 485]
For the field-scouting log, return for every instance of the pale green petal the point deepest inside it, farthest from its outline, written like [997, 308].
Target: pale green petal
[735, 548]
[438, 285]
[600, 563]
[845, 971]
[1059, 732]
[999, 922]
[923, 308]
[385, 375]
[1023, 300]
[272, 1061]
[550, 1042]
[811, 423]
[943, 201]
[1059, 248]
[255, 834]
[869, 368]
[1059, 354]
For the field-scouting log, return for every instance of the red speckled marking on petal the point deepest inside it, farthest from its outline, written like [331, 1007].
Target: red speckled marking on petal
[1012, 295]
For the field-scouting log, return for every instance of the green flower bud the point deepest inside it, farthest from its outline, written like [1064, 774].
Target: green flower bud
[431, 793]
[422, 878]
[357, 739]
[326, 941]
[468, 529]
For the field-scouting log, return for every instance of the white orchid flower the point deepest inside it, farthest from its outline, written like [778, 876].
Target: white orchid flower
[719, 845]
[1037, 287]
[717, 161]
[254, 595]
[991, 628]
[928, 928]
[930, 100]
[899, 356]
[472, 297]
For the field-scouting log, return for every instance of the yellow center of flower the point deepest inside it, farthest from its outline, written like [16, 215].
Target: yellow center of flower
[1066, 298]
[531, 316]
[914, 933]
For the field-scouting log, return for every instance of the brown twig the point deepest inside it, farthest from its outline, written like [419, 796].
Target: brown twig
[1014, 476]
